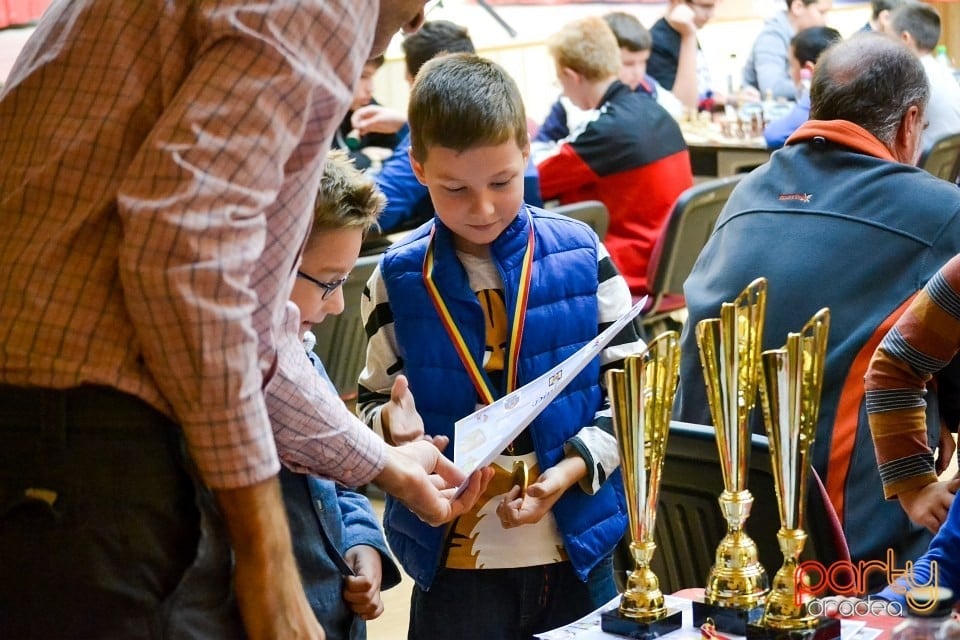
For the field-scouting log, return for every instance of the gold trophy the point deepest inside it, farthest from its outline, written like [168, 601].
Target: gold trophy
[730, 355]
[641, 398]
[791, 384]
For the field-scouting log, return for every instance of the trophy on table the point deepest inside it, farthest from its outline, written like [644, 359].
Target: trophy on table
[730, 355]
[641, 398]
[790, 388]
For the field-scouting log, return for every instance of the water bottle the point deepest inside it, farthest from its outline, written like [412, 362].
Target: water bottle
[928, 610]
[768, 106]
[940, 55]
[806, 78]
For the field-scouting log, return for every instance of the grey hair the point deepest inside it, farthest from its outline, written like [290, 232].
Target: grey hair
[870, 80]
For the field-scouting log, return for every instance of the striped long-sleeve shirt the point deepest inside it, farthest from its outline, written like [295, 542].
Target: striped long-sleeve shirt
[922, 342]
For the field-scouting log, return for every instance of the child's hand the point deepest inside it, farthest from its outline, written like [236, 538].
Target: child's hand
[928, 505]
[681, 18]
[519, 508]
[362, 591]
[374, 118]
[399, 418]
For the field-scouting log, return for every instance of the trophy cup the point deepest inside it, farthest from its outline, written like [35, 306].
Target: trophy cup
[641, 398]
[730, 356]
[791, 383]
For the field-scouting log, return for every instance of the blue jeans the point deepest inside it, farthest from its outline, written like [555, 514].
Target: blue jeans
[506, 604]
[104, 533]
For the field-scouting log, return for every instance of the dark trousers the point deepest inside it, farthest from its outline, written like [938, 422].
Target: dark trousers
[103, 531]
[506, 604]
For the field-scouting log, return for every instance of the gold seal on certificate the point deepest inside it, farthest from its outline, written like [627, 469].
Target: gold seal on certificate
[790, 388]
[641, 399]
[730, 355]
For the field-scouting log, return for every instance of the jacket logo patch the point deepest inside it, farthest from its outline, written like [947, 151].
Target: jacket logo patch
[801, 197]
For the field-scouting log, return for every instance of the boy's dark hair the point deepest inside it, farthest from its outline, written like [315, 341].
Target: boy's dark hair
[630, 32]
[377, 61]
[921, 21]
[461, 101]
[879, 6]
[810, 43]
[432, 39]
[806, 3]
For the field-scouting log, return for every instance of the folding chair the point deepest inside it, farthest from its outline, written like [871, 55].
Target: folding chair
[593, 212]
[686, 231]
[942, 158]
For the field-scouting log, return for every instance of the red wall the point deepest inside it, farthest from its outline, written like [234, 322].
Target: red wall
[13, 12]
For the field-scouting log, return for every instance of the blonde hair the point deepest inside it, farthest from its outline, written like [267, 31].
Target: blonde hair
[587, 46]
[347, 197]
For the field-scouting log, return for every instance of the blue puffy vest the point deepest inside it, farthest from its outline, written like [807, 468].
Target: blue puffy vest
[561, 318]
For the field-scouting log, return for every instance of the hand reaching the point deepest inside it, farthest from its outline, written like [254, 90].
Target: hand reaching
[375, 118]
[399, 418]
[362, 591]
[681, 18]
[928, 505]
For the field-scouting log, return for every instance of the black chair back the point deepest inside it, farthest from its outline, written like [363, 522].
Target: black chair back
[686, 231]
[942, 158]
[593, 212]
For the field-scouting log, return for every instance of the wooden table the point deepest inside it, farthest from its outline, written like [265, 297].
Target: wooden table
[715, 155]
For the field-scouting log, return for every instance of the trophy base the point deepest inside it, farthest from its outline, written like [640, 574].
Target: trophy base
[612, 621]
[725, 619]
[826, 629]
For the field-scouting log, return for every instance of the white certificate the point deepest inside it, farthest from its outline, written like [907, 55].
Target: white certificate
[482, 435]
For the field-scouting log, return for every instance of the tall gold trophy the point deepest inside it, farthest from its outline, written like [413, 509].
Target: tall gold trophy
[641, 398]
[791, 384]
[730, 355]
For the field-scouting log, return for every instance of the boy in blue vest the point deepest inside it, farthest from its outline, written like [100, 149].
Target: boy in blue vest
[520, 289]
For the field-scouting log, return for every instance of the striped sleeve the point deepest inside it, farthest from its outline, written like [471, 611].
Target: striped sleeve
[922, 342]
[383, 362]
[596, 443]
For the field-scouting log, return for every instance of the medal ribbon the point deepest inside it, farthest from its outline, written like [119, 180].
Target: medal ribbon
[474, 369]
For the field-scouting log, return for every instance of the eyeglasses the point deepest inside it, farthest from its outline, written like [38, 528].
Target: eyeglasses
[328, 287]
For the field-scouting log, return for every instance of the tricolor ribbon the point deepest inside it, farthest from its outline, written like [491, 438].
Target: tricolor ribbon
[474, 369]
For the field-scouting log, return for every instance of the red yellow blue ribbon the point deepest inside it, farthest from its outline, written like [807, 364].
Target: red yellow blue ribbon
[474, 368]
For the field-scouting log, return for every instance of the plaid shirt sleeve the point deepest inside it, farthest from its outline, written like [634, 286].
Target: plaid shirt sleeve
[161, 162]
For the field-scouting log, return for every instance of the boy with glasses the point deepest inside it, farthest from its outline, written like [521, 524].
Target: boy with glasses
[340, 550]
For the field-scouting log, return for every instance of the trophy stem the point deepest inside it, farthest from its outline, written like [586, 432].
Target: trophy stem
[782, 611]
[642, 599]
[737, 579]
